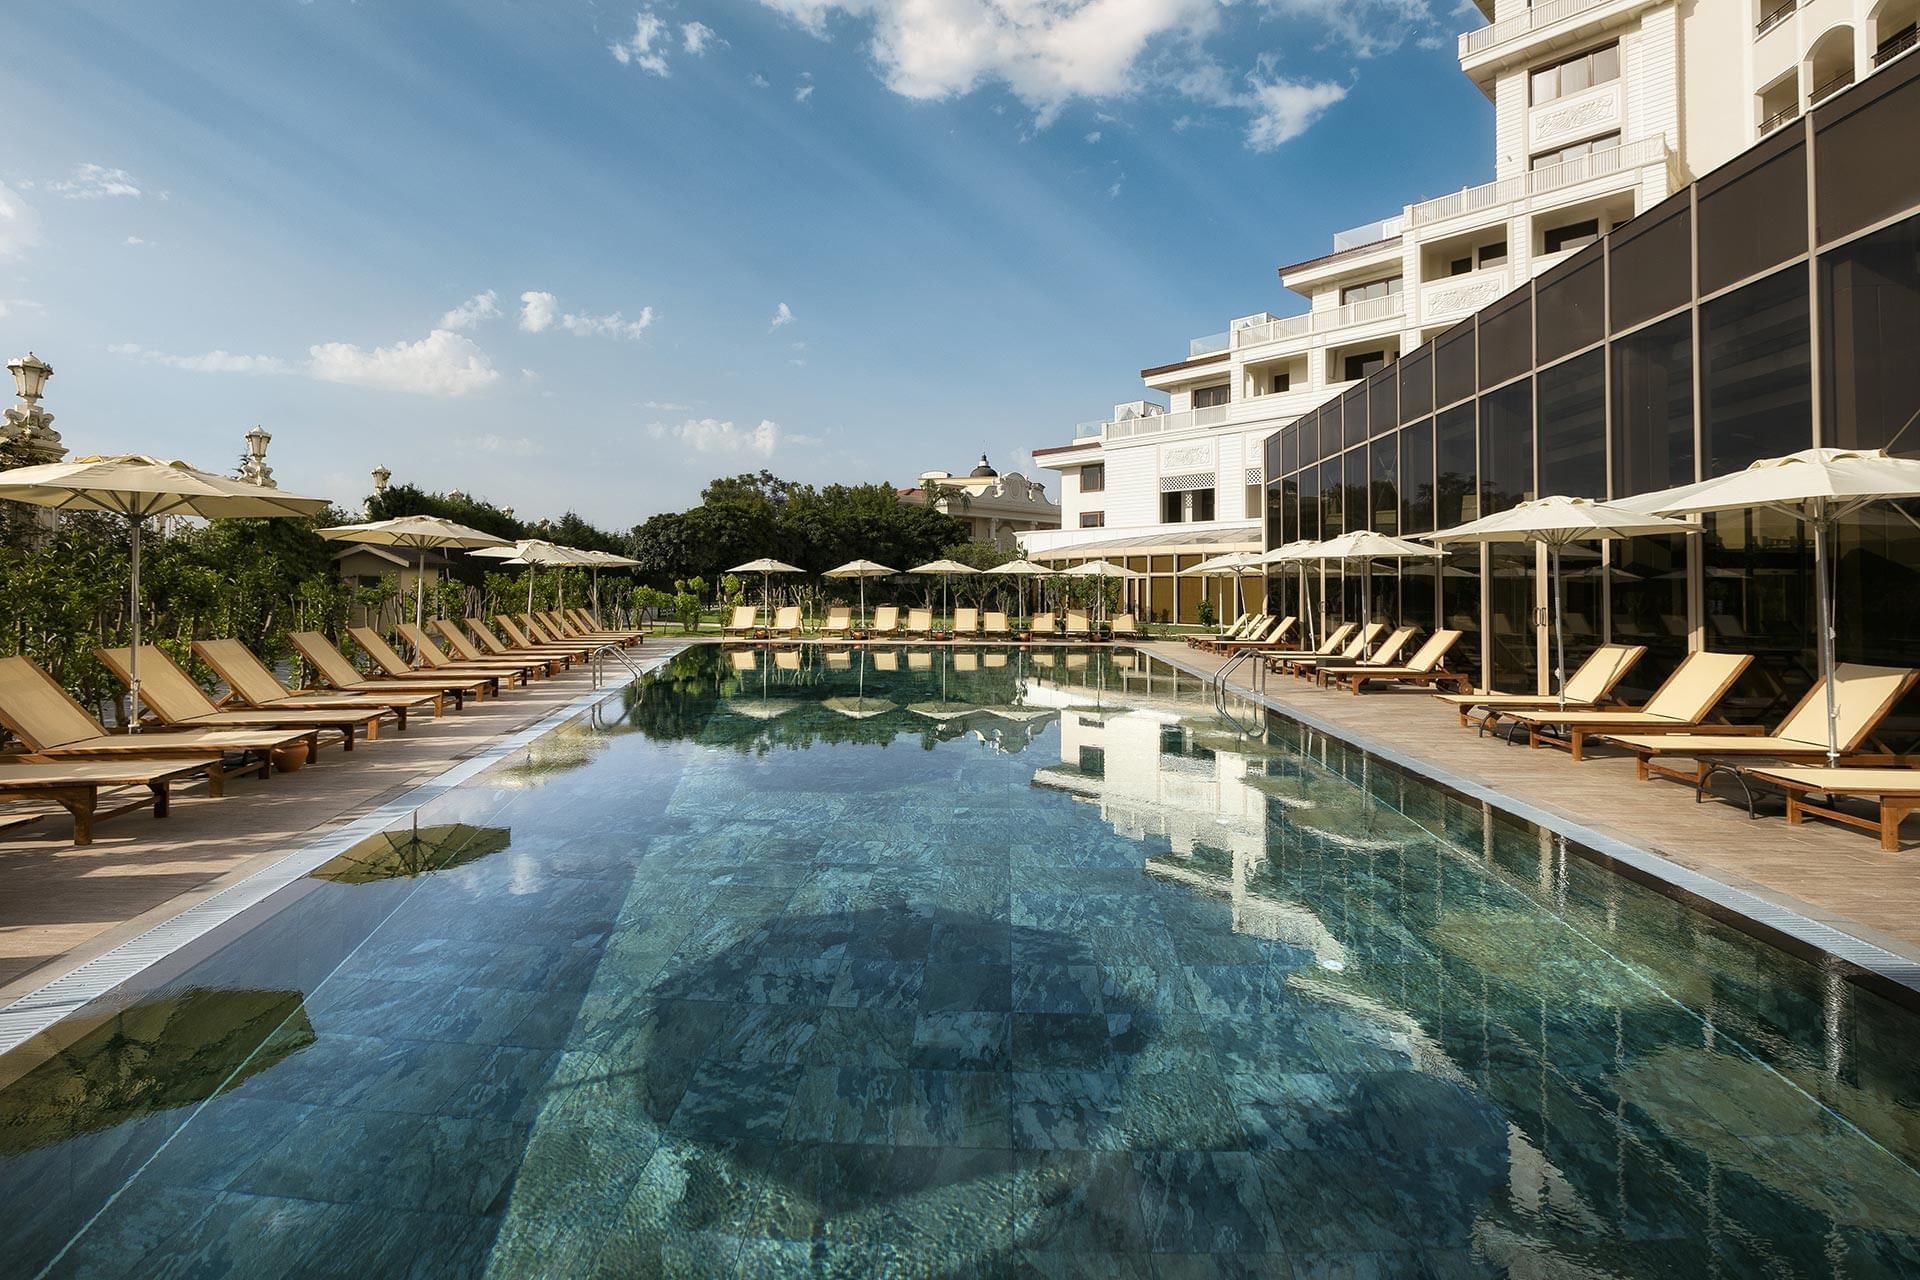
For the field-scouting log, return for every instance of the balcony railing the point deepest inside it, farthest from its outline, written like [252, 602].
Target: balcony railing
[1827, 88]
[1784, 115]
[1368, 233]
[1209, 345]
[1774, 18]
[1384, 308]
[1540, 15]
[1552, 177]
[1896, 46]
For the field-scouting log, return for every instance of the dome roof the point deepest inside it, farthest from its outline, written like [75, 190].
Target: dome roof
[983, 470]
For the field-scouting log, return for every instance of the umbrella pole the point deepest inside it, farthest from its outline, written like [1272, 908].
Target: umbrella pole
[420, 588]
[530, 572]
[133, 658]
[1822, 552]
[1559, 628]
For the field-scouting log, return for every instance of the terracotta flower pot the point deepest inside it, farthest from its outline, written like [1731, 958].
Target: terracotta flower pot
[290, 759]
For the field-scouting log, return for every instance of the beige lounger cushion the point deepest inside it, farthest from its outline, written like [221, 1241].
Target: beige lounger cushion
[1699, 682]
[1863, 696]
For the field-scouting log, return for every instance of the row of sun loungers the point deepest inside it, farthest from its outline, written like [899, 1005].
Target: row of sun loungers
[70, 759]
[919, 624]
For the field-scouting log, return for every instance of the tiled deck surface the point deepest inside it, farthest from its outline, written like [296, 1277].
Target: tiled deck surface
[64, 905]
[1832, 874]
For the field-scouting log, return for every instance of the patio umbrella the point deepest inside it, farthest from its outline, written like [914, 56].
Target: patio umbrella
[139, 487]
[1102, 569]
[421, 533]
[598, 560]
[1297, 553]
[1023, 569]
[1558, 522]
[861, 569]
[766, 568]
[532, 553]
[401, 855]
[946, 569]
[1234, 564]
[1366, 546]
[1817, 487]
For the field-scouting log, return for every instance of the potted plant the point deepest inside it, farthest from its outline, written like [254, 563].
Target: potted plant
[290, 758]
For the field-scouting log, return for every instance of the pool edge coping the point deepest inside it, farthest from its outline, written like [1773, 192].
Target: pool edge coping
[65, 994]
[1821, 936]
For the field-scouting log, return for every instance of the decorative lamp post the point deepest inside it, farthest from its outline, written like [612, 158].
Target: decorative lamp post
[255, 469]
[26, 422]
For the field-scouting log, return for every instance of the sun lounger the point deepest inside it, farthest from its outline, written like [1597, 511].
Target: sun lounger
[389, 660]
[1266, 632]
[1078, 626]
[254, 684]
[176, 701]
[786, 621]
[744, 621]
[1044, 627]
[966, 622]
[1353, 647]
[75, 785]
[1863, 697]
[1422, 668]
[465, 650]
[519, 639]
[1336, 641]
[995, 624]
[886, 620]
[592, 630]
[1387, 653]
[50, 723]
[1234, 632]
[1681, 704]
[538, 634]
[491, 646]
[919, 622]
[570, 648]
[1589, 686]
[1125, 627]
[336, 671]
[839, 622]
[435, 658]
[1896, 792]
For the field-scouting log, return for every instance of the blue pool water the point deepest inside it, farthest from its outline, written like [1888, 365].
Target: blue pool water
[974, 964]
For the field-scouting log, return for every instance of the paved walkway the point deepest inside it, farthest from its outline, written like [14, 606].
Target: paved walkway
[1831, 874]
[63, 905]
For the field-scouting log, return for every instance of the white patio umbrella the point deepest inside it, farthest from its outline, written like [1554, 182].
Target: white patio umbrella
[1366, 546]
[766, 568]
[1234, 564]
[598, 560]
[1298, 553]
[533, 553]
[139, 487]
[1558, 522]
[946, 569]
[861, 569]
[1817, 487]
[1023, 569]
[1102, 569]
[421, 533]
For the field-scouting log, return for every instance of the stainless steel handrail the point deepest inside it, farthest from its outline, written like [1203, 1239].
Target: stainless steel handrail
[597, 657]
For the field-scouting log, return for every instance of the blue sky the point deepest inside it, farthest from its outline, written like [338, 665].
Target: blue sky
[564, 254]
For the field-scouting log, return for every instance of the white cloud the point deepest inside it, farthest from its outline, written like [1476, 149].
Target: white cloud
[782, 315]
[665, 406]
[759, 81]
[10, 305]
[443, 363]
[712, 435]
[803, 92]
[512, 446]
[1285, 109]
[537, 311]
[135, 242]
[481, 306]
[695, 37]
[95, 182]
[1094, 136]
[611, 326]
[646, 47]
[1113, 192]
[19, 225]
[215, 361]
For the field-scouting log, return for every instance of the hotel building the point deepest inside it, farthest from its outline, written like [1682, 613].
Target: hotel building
[1606, 113]
[994, 507]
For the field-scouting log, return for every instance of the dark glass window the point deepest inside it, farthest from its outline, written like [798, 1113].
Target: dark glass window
[1208, 397]
[1353, 414]
[1860, 180]
[1282, 382]
[1460, 266]
[1756, 373]
[1310, 439]
[1456, 492]
[1506, 338]
[1573, 235]
[1283, 512]
[1416, 385]
[1383, 404]
[1416, 477]
[1383, 498]
[1653, 407]
[1506, 447]
[1651, 267]
[1363, 364]
[1492, 255]
[1093, 519]
[1355, 504]
[1310, 503]
[1870, 330]
[1454, 374]
[1333, 493]
[1569, 304]
[1750, 211]
[1289, 448]
[1573, 427]
[1093, 478]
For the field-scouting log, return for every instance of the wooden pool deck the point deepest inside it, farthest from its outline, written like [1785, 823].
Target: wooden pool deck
[1830, 874]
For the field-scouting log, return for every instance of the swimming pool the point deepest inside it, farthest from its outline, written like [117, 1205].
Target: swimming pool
[964, 963]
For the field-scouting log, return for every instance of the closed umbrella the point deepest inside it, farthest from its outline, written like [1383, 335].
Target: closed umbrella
[1023, 569]
[421, 533]
[1558, 522]
[139, 487]
[1816, 487]
[946, 569]
[766, 568]
[861, 569]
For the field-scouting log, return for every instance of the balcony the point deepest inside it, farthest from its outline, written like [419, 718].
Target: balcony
[1325, 321]
[1785, 115]
[1539, 16]
[1896, 46]
[1368, 233]
[1774, 18]
[1830, 86]
[1547, 178]
[1212, 344]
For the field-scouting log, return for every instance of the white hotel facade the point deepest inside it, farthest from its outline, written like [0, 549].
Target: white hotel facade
[1602, 108]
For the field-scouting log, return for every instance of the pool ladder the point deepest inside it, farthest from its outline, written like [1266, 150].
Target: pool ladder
[1220, 679]
[598, 658]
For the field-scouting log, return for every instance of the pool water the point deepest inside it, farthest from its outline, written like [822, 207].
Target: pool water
[966, 963]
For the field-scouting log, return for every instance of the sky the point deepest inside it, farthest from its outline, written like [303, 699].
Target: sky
[586, 256]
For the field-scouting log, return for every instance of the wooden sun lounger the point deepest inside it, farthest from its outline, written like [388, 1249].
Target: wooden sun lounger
[580, 625]
[1678, 706]
[743, 623]
[389, 660]
[491, 648]
[1078, 626]
[465, 650]
[1124, 627]
[51, 724]
[434, 658]
[254, 684]
[1389, 651]
[839, 622]
[75, 785]
[1336, 641]
[995, 624]
[1590, 685]
[1234, 632]
[919, 622]
[177, 702]
[521, 639]
[886, 620]
[1896, 793]
[786, 621]
[1267, 632]
[540, 636]
[966, 622]
[1424, 667]
[1044, 626]
[337, 671]
[1863, 697]
[1352, 649]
